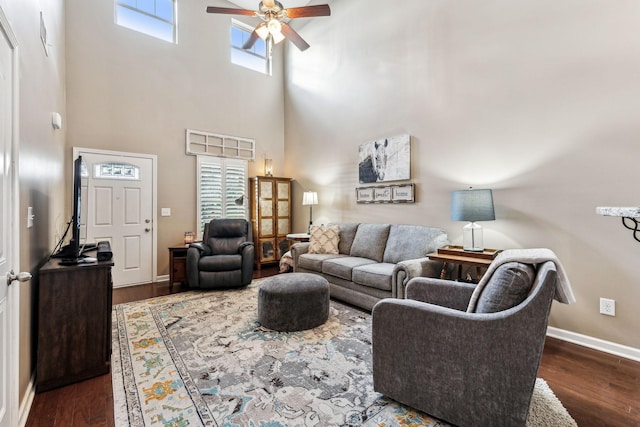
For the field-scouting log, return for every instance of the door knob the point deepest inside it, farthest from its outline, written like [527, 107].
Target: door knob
[147, 230]
[23, 276]
[147, 221]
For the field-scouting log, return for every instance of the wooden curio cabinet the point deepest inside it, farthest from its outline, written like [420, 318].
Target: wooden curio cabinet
[270, 217]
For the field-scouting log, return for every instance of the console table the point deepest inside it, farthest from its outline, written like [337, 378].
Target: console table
[453, 254]
[74, 322]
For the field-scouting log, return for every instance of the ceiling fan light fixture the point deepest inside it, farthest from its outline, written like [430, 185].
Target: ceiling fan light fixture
[277, 37]
[262, 31]
[274, 26]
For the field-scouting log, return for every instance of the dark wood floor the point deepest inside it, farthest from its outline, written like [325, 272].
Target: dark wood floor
[597, 389]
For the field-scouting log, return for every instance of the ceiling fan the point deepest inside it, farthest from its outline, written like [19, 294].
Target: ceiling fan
[273, 15]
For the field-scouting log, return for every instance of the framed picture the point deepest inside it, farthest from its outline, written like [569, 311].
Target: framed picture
[384, 160]
[386, 194]
[403, 193]
[382, 194]
[364, 194]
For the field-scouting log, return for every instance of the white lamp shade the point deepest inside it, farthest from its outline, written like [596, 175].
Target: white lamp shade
[309, 198]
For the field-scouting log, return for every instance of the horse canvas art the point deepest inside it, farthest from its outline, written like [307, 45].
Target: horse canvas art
[383, 160]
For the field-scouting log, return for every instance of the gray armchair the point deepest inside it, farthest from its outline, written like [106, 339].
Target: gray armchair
[224, 259]
[468, 361]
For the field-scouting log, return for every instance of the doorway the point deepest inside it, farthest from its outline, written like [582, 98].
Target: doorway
[9, 225]
[119, 206]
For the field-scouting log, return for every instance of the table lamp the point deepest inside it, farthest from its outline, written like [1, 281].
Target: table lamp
[472, 205]
[310, 198]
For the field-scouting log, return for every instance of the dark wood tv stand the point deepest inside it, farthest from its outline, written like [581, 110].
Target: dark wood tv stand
[74, 323]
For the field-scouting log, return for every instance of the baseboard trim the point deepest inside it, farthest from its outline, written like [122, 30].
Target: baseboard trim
[595, 343]
[27, 401]
[164, 278]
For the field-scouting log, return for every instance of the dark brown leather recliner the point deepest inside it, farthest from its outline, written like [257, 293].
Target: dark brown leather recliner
[225, 257]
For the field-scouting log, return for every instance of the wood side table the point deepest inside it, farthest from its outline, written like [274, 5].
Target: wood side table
[456, 255]
[178, 264]
[299, 237]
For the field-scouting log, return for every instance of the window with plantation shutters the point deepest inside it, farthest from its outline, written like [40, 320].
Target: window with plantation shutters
[222, 185]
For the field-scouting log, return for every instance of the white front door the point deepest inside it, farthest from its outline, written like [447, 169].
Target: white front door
[8, 230]
[119, 209]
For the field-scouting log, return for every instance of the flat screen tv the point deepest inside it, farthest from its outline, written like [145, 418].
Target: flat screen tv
[72, 252]
[77, 207]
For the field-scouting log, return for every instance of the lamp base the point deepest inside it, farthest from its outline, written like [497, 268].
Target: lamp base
[472, 238]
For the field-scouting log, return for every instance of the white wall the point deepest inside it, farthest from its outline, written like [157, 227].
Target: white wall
[127, 91]
[538, 100]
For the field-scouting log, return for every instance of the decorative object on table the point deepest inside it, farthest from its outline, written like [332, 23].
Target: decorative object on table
[182, 385]
[310, 198]
[629, 217]
[473, 206]
[270, 208]
[275, 17]
[402, 193]
[387, 159]
[268, 167]
[189, 237]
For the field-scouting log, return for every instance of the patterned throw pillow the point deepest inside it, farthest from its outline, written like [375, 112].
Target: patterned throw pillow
[324, 239]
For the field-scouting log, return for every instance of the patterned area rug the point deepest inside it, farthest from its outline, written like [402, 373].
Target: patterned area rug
[202, 359]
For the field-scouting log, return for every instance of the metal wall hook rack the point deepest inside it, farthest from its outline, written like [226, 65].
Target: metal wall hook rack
[629, 217]
[635, 228]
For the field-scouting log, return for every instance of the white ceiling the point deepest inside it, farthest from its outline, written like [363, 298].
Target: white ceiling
[253, 4]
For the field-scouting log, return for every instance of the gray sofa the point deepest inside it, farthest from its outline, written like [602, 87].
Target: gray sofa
[375, 261]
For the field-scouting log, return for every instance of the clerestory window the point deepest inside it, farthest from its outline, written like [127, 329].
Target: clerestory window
[256, 58]
[156, 18]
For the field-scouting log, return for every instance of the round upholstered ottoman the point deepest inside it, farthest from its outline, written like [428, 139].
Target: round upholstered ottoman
[293, 302]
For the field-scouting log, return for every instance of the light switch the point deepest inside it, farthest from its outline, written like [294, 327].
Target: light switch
[165, 212]
[30, 217]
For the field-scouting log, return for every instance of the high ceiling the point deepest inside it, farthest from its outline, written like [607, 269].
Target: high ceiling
[253, 4]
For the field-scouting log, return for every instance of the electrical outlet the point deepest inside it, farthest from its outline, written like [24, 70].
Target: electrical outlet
[608, 306]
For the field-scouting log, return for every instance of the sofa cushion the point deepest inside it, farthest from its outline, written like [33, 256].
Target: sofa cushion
[314, 262]
[341, 267]
[347, 234]
[412, 241]
[324, 239]
[376, 275]
[509, 285]
[370, 241]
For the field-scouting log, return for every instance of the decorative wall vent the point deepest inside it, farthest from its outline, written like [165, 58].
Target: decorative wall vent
[213, 144]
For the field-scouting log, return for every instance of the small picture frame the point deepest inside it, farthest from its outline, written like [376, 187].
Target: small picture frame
[382, 194]
[364, 194]
[403, 193]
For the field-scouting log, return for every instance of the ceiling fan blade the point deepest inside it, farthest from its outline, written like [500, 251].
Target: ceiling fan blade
[230, 11]
[309, 11]
[295, 38]
[253, 38]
